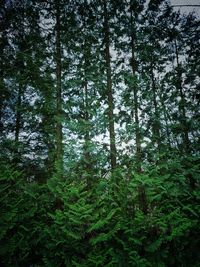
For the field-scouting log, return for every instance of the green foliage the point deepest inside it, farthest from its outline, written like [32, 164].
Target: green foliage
[132, 71]
[62, 223]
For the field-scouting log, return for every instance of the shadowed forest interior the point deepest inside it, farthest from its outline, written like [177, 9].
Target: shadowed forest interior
[99, 134]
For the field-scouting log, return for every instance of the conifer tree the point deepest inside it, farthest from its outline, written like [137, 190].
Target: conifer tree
[89, 86]
[109, 88]
[59, 133]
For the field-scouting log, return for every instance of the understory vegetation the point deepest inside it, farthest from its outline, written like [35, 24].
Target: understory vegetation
[62, 223]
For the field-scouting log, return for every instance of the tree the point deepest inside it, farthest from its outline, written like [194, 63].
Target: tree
[99, 127]
[59, 133]
[109, 89]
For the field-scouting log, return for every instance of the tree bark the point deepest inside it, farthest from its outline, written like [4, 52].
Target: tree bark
[156, 122]
[183, 117]
[141, 189]
[87, 155]
[166, 118]
[113, 151]
[182, 108]
[59, 134]
[18, 115]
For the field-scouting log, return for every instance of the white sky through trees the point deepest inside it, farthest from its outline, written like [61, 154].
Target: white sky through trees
[187, 9]
[103, 138]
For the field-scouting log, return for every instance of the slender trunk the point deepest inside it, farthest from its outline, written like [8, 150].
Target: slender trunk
[3, 44]
[135, 93]
[156, 122]
[87, 156]
[18, 115]
[18, 122]
[182, 106]
[59, 134]
[113, 151]
[166, 121]
[86, 117]
[141, 189]
[183, 120]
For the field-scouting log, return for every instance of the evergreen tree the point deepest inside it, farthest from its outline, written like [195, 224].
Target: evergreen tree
[99, 134]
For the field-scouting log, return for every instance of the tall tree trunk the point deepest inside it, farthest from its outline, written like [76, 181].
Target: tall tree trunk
[87, 156]
[18, 115]
[166, 120]
[18, 118]
[135, 93]
[156, 122]
[182, 106]
[21, 65]
[59, 134]
[183, 120]
[3, 43]
[141, 189]
[113, 151]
